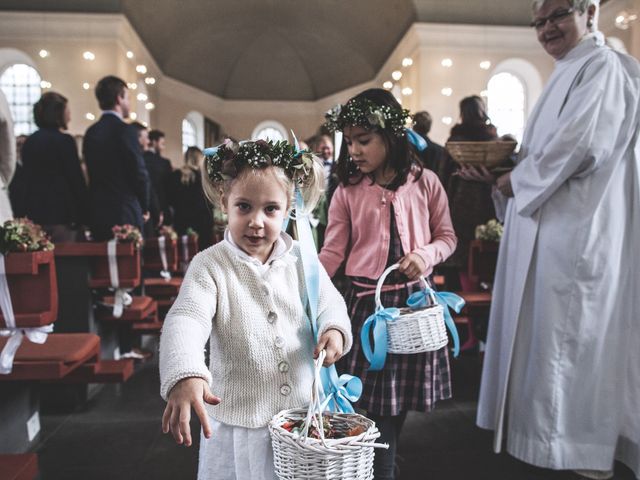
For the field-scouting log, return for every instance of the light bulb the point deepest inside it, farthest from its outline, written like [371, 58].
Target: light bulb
[396, 75]
[406, 91]
[141, 69]
[132, 85]
[407, 62]
[129, 54]
[485, 65]
[150, 80]
[446, 62]
[90, 116]
[45, 84]
[149, 106]
[388, 85]
[88, 55]
[446, 91]
[43, 53]
[133, 115]
[86, 86]
[142, 97]
[447, 120]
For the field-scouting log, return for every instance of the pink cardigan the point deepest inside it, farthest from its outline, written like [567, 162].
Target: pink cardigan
[358, 228]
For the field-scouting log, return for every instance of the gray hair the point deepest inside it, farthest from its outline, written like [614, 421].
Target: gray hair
[578, 5]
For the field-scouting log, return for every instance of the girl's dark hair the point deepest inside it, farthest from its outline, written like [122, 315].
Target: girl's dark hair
[48, 112]
[473, 111]
[401, 154]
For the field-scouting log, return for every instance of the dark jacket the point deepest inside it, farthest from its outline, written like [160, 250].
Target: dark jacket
[53, 191]
[159, 169]
[433, 156]
[118, 178]
[190, 207]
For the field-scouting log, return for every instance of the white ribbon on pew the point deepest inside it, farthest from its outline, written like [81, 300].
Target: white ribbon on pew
[15, 334]
[162, 247]
[185, 252]
[122, 298]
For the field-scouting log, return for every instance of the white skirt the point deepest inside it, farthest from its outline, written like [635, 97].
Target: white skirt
[236, 453]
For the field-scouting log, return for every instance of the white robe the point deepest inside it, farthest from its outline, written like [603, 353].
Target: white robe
[561, 373]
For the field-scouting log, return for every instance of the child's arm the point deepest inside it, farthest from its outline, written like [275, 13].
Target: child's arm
[334, 326]
[337, 234]
[443, 238]
[184, 376]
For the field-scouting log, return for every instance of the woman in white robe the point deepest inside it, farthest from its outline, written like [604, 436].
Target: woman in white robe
[561, 377]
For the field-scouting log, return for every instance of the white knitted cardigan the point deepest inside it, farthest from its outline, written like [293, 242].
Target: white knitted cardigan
[260, 334]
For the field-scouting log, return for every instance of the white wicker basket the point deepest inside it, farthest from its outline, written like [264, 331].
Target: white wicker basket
[414, 331]
[296, 456]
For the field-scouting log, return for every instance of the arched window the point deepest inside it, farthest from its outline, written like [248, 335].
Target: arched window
[189, 136]
[506, 104]
[269, 130]
[21, 85]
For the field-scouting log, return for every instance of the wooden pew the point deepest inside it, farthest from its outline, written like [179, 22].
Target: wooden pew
[21, 466]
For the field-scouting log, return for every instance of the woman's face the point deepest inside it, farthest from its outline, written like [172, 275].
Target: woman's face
[560, 29]
[366, 148]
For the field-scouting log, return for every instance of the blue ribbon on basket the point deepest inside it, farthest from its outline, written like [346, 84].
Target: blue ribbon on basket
[377, 355]
[339, 391]
[448, 301]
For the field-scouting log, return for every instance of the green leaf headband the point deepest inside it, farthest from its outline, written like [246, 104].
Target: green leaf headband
[362, 112]
[225, 161]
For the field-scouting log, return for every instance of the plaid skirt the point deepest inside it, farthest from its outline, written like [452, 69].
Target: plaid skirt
[406, 382]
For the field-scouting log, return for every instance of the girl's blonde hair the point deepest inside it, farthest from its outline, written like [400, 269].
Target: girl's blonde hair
[311, 189]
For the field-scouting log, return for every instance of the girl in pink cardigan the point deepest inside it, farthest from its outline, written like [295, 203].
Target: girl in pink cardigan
[387, 209]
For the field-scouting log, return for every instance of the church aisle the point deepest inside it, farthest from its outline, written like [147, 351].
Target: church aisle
[117, 436]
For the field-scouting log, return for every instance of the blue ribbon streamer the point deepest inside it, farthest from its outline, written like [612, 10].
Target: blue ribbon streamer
[448, 301]
[339, 391]
[417, 140]
[377, 355]
[207, 152]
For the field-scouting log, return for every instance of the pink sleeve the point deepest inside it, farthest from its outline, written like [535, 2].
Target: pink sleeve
[443, 238]
[337, 234]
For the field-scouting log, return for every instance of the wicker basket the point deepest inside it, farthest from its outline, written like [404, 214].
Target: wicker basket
[488, 154]
[414, 331]
[300, 457]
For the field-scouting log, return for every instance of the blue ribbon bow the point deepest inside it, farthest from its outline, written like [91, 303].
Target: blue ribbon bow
[377, 355]
[339, 391]
[448, 301]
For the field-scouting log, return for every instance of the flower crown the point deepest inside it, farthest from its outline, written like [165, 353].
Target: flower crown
[225, 161]
[365, 113]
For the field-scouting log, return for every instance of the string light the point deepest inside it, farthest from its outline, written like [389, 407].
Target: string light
[407, 62]
[388, 85]
[406, 91]
[132, 85]
[129, 54]
[141, 69]
[142, 97]
[45, 84]
[90, 116]
[86, 86]
[447, 120]
[133, 115]
[150, 80]
[149, 106]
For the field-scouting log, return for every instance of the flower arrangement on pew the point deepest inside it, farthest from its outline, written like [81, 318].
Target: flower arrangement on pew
[490, 231]
[127, 233]
[191, 233]
[22, 235]
[168, 232]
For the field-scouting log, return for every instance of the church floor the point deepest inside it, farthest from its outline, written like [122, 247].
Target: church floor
[117, 435]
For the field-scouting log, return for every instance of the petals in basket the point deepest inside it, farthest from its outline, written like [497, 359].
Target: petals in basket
[376, 356]
[448, 301]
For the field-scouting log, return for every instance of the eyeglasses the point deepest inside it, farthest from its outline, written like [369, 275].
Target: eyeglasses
[554, 18]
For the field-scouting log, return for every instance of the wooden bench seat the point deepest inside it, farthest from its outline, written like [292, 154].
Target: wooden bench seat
[21, 466]
[162, 288]
[475, 300]
[141, 309]
[61, 355]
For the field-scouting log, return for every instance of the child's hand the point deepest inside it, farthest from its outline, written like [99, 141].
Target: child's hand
[187, 393]
[333, 343]
[412, 266]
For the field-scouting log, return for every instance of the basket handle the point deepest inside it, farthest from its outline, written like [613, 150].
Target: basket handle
[314, 412]
[384, 275]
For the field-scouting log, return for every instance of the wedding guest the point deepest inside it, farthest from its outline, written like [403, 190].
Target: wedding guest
[7, 157]
[434, 155]
[159, 169]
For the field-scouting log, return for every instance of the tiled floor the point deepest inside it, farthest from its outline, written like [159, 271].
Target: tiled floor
[117, 436]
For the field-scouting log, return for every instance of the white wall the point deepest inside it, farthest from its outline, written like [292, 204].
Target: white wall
[109, 37]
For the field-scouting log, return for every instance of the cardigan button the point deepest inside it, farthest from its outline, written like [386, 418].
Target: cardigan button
[283, 367]
[279, 342]
[272, 317]
[285, 389]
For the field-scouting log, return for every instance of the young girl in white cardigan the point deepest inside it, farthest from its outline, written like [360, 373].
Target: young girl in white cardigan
[246, 295]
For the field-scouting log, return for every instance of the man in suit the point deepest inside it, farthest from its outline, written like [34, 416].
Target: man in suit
[159, 169]
[433, 156]
[118, 178]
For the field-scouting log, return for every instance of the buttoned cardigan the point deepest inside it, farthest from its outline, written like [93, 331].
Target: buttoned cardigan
[359, 221]
[261, 343]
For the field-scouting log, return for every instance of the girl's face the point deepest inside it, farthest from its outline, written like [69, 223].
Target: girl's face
[366, 148]
[256, 206]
